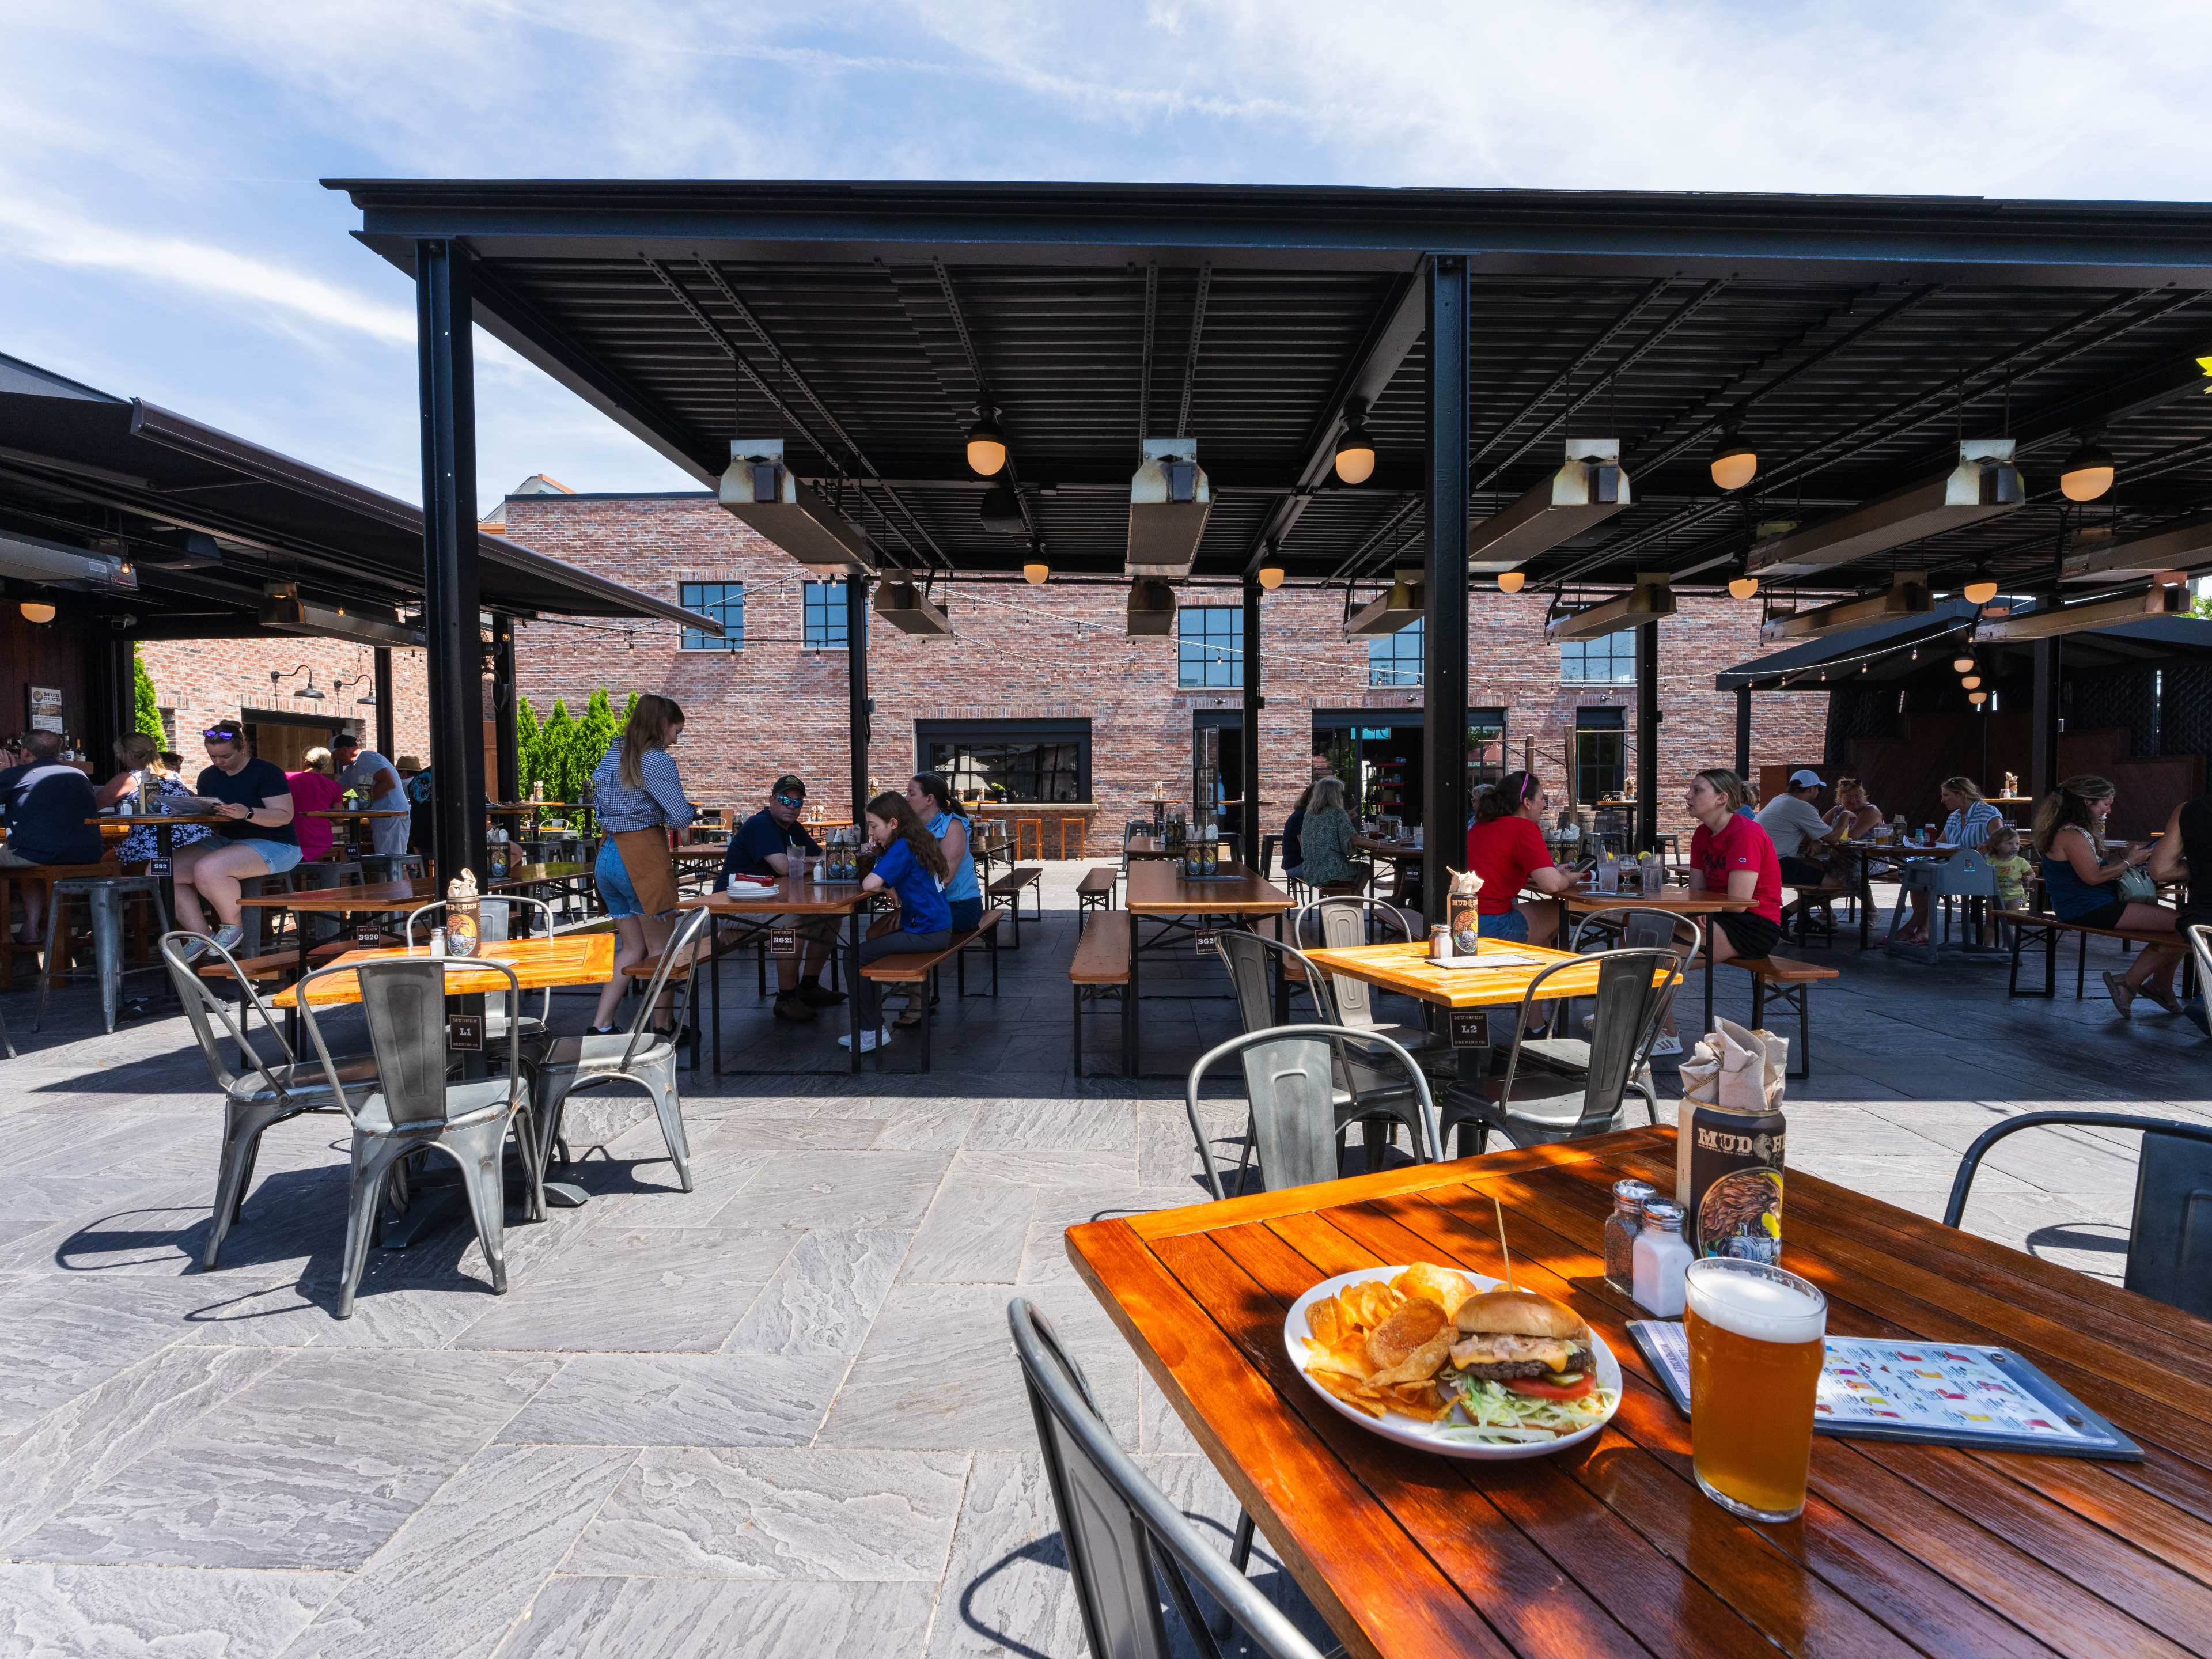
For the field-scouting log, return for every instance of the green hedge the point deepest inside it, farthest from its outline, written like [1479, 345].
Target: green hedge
[561, 750]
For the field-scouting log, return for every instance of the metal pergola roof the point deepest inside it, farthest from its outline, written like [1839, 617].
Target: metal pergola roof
[1854, 338]
[81, 468]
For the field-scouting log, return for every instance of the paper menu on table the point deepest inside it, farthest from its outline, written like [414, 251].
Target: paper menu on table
[1488, 959]
[1934, 1392]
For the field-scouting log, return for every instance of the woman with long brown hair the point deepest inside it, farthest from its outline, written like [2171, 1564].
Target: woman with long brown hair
[2078, 884]
[638, 798]
[1505, 847]
[910, 862]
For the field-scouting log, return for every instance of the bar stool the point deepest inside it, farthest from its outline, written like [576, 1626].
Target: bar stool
[105, 897]
[1082, 825]
[380, 867]
[1021, 826]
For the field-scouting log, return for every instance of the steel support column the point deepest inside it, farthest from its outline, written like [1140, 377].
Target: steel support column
[1445, 385]
[503, 708]
[1647, 736]
[383, 714]
[856, 686]
[2043, 772]
[451, 611]
[1743, 732]
[1248, 783]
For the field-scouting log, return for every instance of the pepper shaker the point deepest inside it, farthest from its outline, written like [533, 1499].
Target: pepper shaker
[1621, 1227]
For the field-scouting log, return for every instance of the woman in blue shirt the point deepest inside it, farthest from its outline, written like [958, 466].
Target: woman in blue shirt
[912, 865]
[933, 803]
[2078, 887]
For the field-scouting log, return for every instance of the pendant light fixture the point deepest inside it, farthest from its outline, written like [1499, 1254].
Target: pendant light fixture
[1355, 449]
[2087, 473]
[987, 444]
[1512, 582]
[1978, 698]
[1001, 510]
[1971, 681]
[36, 610]
[1743, 587]
[1035, 572]
[1271, 576]
[1963, 663]
[1735, 463]
[1981, 587]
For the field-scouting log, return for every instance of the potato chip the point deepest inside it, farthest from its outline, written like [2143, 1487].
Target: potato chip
[1413, 1323]
[1442, 1286]
[1324, 1322]
[1423, 1363]
[1347, 1362]
[1351, 1393]
[1422, 1400]
[1369, 1302]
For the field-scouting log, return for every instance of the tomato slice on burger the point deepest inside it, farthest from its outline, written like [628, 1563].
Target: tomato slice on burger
[1544, 1388]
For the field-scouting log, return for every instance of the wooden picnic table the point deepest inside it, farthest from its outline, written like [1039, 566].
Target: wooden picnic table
[540, 962]
[787, 897]
[1159, 890]
[1609, 1548]
[1680, 900]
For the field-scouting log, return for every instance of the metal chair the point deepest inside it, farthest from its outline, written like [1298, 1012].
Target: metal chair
[1633, 928]
[103, 897]
[2199, 938]
[2169, 1248]
[1348, 920]
[533, 1025]
[263, 1095]
[643, 1057]
[1128, 1544]
[413, 1107]
[1297, 1111]
[1546, 1106]
[381, 867]
[1132, 827]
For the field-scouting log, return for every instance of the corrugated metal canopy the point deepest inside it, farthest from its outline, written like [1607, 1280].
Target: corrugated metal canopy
[80, 467]
[1853, 338]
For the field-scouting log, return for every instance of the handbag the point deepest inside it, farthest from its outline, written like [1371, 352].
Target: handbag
[652, 873]
[2136, 887]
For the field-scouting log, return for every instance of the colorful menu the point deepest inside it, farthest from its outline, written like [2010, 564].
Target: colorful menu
[1937, 1393]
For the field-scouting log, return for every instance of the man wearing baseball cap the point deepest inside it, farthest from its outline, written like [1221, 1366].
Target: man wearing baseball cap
[1796, 826]
[378, 782]
[763, 847]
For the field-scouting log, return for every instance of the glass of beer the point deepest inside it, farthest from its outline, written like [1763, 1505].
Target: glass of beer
[1756, 1336]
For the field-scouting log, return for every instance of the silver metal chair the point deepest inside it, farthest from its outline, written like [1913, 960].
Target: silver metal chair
[1128, 1547]
[414, 1108]
[2199, 938]
[262, 1094]
[1632, 928]
[1348, 920]
[496, 1021]
[1543, 1106]
[643, 1057]
[104, 898]
[1297, 1111]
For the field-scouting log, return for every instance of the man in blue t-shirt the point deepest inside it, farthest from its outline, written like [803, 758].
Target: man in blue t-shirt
[47, 805]
[763, 847]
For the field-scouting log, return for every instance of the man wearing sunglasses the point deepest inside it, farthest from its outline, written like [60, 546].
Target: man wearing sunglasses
[763, 847]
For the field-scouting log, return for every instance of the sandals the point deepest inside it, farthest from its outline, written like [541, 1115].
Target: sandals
[2164, 997]
[2122, 994]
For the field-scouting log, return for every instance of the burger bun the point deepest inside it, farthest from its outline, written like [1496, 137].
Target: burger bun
[1520, 1313]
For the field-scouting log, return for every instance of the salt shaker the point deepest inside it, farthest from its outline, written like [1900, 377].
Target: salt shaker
[1663, 1259]
[1629, 1198]
[437, 941]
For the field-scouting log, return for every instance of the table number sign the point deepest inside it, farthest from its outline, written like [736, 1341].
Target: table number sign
[783, 942]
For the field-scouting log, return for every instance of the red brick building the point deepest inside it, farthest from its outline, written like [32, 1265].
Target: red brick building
[1043, 676]
[198, 681]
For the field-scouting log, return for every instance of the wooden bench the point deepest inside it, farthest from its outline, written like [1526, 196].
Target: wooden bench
[1791, 984]
[917, 968]
[1096, 891]
[275, 965]
[1010, 887]
[1100, 970]
[2022, 923]
[1811, 896]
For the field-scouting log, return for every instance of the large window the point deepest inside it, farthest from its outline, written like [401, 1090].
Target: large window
[825, 616]
[726, 603]
[1609, 660]
[1600, 754]
[1210, 639]
[1008, 760]
[1395, 659]
[1485, 746]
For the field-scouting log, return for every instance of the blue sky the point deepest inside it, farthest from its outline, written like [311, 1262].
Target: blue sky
[161, 233]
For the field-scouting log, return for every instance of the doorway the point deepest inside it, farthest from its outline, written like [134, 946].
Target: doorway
[1600, 755]
[1218, 733]
[284, 740]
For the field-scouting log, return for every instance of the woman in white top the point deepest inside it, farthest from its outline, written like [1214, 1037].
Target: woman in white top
[1970, 820]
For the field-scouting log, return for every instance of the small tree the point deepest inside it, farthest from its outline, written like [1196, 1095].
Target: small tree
[525, 743]
[147, 713]
[598, 728]
[556, 745]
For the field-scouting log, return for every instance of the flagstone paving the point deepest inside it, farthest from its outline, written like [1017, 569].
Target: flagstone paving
[776, 1415]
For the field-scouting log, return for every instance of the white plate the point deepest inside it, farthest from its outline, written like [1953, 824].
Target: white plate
[1411, 1432]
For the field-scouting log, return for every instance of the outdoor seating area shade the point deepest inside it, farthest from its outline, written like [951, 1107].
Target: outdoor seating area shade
[1983, 484]
[1906, 597]
[1589, 487]
[1651, 599]
[2186, 546]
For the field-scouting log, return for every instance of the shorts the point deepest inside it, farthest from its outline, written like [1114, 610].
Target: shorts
[11, 859]
[1752, 934]
[966, 913]
[611, 876]
[1802, 872]
[1511, 925]
[278, 856]
[2104, 915]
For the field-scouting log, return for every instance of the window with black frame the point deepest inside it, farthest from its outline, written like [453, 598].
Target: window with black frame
[726, 603]
[1485, 746]
[1210, 645]
[1396, 658]
[1610, 659]
[824, 616]
[1016, 760]
[1600, 754]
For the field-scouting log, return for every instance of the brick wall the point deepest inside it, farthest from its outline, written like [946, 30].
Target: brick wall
[1058, 651]
[203, 679]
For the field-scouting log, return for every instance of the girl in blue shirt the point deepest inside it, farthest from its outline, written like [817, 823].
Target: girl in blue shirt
[912, 865]
[932, 801]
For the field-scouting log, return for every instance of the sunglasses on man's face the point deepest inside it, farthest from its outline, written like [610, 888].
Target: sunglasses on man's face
[795, 802]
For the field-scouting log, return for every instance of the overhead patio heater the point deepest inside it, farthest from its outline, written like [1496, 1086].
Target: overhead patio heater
[1652, 598]
[1984, 484]
[1589, 487]
[1169, 500]
[759, 490]
[1152, 610]
[1907, 596]
[29, 559]
[1402, 606]
[2159, 599]
[2186, 546]
[908, 609]
[283, 612]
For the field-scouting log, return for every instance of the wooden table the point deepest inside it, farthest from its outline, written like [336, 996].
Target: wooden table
[1679, 900]
[1158, 890]
[538, 964]
[788, 898]
[1902, 1549]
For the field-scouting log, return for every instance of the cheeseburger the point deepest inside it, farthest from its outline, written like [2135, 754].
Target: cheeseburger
[1518, 1335]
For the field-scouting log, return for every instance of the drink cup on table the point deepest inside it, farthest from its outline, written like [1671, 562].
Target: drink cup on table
[1757, 1335]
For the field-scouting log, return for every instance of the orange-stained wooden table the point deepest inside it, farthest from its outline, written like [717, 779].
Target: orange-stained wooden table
[1160, 890]
[538, 963]
[760, 905]
[1609, 1548]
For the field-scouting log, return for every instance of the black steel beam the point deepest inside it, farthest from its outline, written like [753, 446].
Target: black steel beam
[1648, 718]
[504, 737]
[1446, 390]
[1145, 365]
[383, 714]
[858, 727]
[1252, 818]
[1190, 358]
[1743, 732]
[453, 598]
[2046, 658]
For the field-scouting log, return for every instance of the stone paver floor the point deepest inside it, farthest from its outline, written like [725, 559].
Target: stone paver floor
[779, 1414]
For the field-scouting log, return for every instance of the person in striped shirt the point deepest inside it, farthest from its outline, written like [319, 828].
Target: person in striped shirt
[635, 786]
[1970, 822]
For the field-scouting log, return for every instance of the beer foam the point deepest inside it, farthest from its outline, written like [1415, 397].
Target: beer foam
[1755, 1306]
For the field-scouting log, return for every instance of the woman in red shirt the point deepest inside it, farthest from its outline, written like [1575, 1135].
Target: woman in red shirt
[1505, 847]
[1730, 854]
[314, 791]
